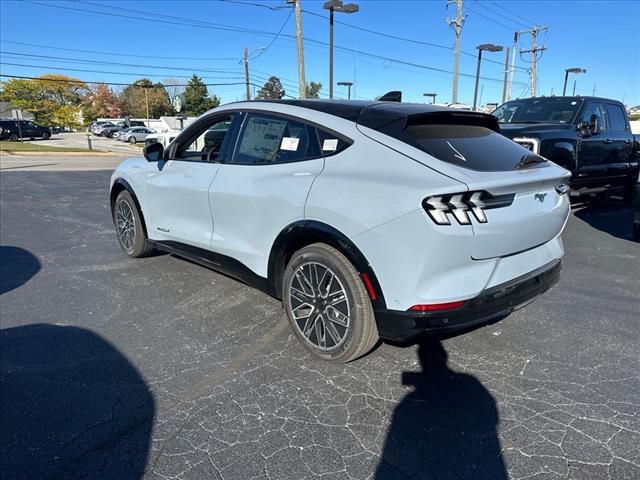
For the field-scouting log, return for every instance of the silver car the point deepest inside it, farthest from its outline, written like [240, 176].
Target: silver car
[135, 134]
[122, 135]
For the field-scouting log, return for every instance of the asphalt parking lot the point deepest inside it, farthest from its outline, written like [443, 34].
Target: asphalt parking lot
[115, 368]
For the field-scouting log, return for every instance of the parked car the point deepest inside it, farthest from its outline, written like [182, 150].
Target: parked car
[13, 130]
[136, 134]
[590, 136]
[120, 134]
[164, 138]
[368, 219]
[97, 125]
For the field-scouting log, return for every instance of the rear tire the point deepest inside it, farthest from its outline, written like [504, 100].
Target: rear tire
[128, 222]
[132, 140]
[46, 136]
[13, 137]
[327, 304]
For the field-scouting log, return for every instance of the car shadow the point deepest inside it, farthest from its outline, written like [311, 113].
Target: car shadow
[17, 267]
[72, 406]
[445, 428]
[612, 218]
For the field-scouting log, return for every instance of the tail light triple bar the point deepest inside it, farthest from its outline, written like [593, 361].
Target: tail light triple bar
[459, 204]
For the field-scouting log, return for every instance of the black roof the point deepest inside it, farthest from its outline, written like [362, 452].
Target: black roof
[382, 116]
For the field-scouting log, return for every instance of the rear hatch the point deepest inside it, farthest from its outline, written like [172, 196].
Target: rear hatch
[514, 189]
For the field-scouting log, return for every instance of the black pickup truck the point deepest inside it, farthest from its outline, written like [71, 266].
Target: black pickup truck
[589, 136]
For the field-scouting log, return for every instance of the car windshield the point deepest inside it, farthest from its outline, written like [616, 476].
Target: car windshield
[538, 110]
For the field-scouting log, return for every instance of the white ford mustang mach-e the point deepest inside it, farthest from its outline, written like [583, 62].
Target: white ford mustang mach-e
[368, 219]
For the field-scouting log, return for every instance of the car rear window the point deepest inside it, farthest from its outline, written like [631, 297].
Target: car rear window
[469, 146]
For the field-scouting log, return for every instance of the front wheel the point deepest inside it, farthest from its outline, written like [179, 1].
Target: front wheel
[13, 137]
[327, 304]
[128, 223]
[132, 140]
[46, 136]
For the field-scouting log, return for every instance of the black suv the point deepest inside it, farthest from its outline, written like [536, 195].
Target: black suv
[590, 136]
[13, 130]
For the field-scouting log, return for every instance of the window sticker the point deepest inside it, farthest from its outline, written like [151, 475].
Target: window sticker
[289, 143]
[330, 145]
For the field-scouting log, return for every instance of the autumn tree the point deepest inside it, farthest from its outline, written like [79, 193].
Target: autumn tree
[53, 99]
[100, 102]
[143, 92]
[197, 97]
[272, 90]
[313, 89]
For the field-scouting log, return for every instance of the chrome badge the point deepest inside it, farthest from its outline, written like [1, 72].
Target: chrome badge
[540, 197]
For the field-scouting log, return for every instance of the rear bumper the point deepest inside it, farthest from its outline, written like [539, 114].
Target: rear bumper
[493, 302]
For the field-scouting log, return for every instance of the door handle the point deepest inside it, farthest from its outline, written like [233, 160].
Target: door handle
[608, 140]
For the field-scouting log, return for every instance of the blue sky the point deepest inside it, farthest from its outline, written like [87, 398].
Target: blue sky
[601, 36]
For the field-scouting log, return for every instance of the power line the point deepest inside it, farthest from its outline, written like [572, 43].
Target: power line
[135, 55]
[482, 5]
[491, 19]
[116, 84]
[276, 36]
[208, 25]
[120, 64]
[513, 13]
[47, 67]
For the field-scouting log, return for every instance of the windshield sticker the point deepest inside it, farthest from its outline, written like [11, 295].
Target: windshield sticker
[289, 143]
[330, 145]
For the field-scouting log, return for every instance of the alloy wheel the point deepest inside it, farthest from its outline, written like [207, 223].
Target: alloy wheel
[126, 224]
[319, 306]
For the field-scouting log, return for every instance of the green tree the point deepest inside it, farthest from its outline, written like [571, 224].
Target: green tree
[313, 89]
[197, 99]
[53, 99]
[135, 97]
[272, 90]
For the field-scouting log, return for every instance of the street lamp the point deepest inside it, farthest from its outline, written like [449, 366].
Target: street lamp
[489, 47]
[567, 71]
[346, 84]
[337, 6]
[432, 95]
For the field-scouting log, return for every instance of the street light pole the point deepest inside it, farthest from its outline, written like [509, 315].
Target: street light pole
[347, 84]
[432, 95]
[489, 47]
[567, 71]
[337, 6]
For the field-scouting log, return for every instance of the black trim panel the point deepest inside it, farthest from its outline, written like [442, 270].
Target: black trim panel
[215, 261]
[492, 303]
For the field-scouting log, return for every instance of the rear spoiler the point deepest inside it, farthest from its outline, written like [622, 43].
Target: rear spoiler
[392, 96]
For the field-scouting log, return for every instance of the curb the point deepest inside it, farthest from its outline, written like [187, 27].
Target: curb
[66, 154]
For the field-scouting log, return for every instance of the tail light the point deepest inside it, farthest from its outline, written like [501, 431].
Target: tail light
[460, 204]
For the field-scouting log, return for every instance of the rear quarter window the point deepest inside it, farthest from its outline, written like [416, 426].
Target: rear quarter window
[469, 146]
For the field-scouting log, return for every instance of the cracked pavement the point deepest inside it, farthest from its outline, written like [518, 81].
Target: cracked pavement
[115, 368]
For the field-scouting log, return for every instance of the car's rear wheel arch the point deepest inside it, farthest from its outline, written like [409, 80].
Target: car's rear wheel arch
[119, 185]
[306, 232]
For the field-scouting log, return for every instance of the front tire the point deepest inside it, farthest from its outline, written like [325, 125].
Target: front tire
[46, 136]
[327, 304]
[132, 140]
[128, 222]
[13, 137]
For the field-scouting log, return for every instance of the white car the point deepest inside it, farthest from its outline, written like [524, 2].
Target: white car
[368, 219]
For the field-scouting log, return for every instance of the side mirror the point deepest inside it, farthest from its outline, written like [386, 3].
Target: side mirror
[154, 152]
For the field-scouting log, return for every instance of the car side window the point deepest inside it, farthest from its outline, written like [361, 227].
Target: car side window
[206, 143]
[267, 139]
[330, 143]
[597, 111]
[616, 118]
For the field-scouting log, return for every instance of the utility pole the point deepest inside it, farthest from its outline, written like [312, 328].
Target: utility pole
[574, 88]
[506, 76]
[456, 26]
[593, 94]
[301, 80]
[513, 64]
[246, 72]
[534, 55]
